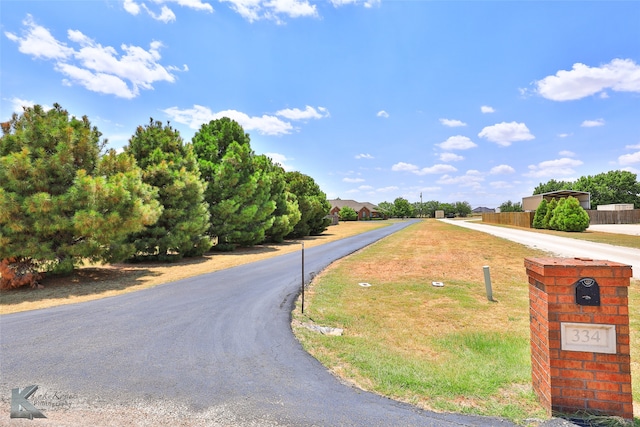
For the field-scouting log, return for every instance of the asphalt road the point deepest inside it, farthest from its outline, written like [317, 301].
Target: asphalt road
[218, 344]
[560, 246]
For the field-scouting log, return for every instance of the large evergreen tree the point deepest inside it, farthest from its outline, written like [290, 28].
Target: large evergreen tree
[541, 212]
[170, 166]
[60, 201]
[312, 202]
[238, 191]
[287, 214]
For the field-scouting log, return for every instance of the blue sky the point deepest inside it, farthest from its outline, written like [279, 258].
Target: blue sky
[473, 101]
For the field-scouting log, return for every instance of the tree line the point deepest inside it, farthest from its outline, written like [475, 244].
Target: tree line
[402, 208]
[64, 199]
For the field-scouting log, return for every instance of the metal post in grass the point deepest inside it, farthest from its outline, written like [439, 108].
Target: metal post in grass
[487, 282]
[302, 286]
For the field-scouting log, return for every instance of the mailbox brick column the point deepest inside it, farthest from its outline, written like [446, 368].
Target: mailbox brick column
[570, 381]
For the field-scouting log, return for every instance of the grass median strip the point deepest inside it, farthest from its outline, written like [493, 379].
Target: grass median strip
[441, 348]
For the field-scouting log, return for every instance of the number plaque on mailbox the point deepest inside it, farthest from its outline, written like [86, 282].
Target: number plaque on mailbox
[589, 337]
[587, 292]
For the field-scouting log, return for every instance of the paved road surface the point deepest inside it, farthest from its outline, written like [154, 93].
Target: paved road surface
[560, 246]
[212, 350]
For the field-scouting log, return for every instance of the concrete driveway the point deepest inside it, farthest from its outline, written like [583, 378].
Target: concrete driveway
[562, 246]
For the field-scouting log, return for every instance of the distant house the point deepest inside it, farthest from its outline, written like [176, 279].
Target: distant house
[482, 209]
[365, 210]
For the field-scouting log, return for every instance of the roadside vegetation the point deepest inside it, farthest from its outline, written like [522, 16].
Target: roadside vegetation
[65, 201]
[441, 348]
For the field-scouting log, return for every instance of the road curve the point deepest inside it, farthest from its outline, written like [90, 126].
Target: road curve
[217, 344]
[560, 246]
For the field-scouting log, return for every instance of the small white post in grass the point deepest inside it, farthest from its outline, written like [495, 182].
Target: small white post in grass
[487, 282]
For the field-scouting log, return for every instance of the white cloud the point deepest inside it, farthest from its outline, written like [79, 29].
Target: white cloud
[404, 167]
[486, 109]
[553, 168]
[592, 123]
[501, 184]
[629, 159]
[457, 142]
[38, 42]
[353, 180]
[620, 75]
[307, 113]
[93, 66]
[383, 114]
[450, 157]
[198, 115]
[365, 187]
[563, 135]
[436, 169]
[366, 3]
[280, 159]
[567, 153]
[387, 189]
[255, 10]
[471, 178]
[165, 15]
[506, 133]
[632, 147]
[408, 167]
[452, 123]
[364, 156]
[501, 169]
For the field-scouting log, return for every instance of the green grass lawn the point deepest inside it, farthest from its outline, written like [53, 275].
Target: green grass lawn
[445, 349]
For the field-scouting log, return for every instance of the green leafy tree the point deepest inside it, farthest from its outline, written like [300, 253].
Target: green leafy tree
[171, 167]
[386, 209]
[430, 208]
[552, 185]
[611, 187]
[313, 204]
[60, 201]
[546, 223]
[462, 209]
[287, 214]
[541, 211]
[509, 206]
[402, 208]
[238, 190]
[448, 208]
[348, 214]
[570, 216]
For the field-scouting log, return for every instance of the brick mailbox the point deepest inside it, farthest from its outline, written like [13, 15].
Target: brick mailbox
[580, 361]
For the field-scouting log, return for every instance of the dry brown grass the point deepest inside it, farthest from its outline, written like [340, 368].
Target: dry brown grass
[100, 281]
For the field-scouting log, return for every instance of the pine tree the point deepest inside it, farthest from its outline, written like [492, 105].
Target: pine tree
[171, 167]
[238, 192]
[554, 221]
[60, 201]
[541, 211]
[546, 223]
[313, 204]
[286, 215]
[571, 216]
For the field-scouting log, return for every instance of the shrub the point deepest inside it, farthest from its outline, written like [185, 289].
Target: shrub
[571, 216]
[546, 223]
[348, 214]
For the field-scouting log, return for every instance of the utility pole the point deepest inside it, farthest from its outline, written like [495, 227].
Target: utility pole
[421, 204]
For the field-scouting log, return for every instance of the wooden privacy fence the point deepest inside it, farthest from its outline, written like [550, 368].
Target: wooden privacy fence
[614, 217]
[519, 219]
